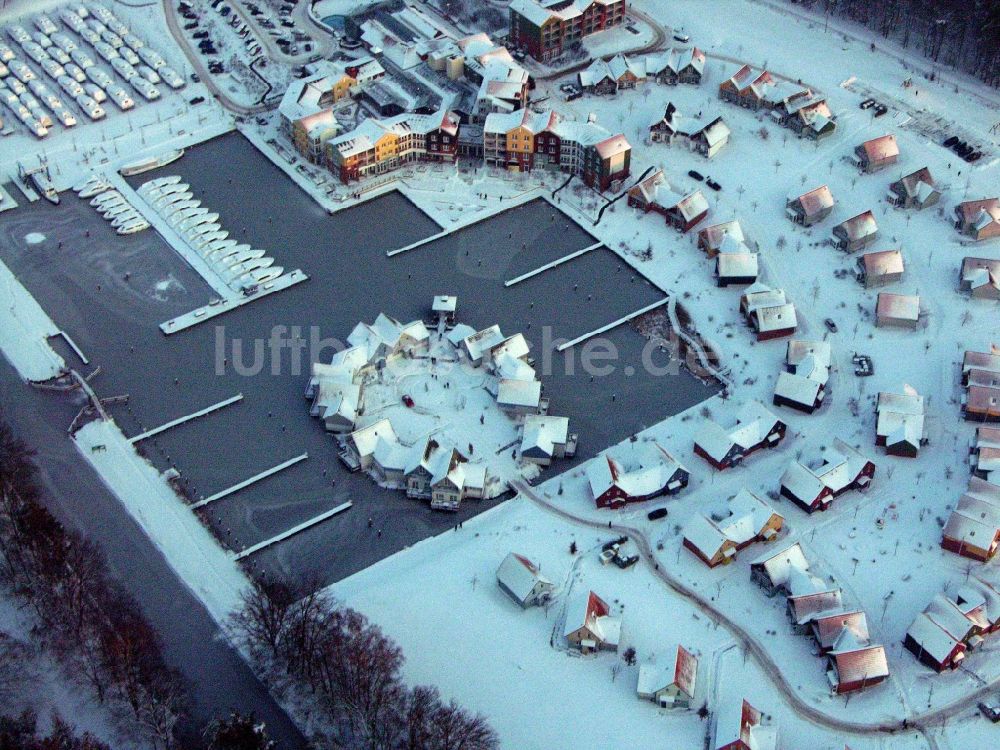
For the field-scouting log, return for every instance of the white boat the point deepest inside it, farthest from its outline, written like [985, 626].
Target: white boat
[266, 274]
[152, 162]
[221, 255]
[115, 210]
[241, 256]
[189, 226]
[168, 199]
[186, 212]
[161, 192]
[207, 229]
[137, 225]
[172, 210]
[84, 183]
[125, 218]
[106, 196]
[92, 190]
[220, 250]
[234, 273]
[160, 182]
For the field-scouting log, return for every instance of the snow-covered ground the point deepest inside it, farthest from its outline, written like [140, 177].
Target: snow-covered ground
[881, 546]
[47, 690]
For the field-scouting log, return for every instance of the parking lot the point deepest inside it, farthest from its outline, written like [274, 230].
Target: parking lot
[110, 293]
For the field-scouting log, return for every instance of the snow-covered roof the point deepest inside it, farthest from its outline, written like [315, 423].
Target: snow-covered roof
[716, 132]
[904, 307]
[533, 122]
[521, 393]
[590, 611]
[741, 726]
[801, 390]
[736, 265]
[753, 424]
[761, 295]
[775, 318]
[883, 263]
[638, 470]
[444, 303]
[713, 236]
[542, 433]
[477, 344]
[917, 183]
[881, 148]
[614, 146]
[749, 516]
[856, 662]
[827, 628]
[816, 200]
[778, 565]
[858, 227]
[705, 536]
[814, 353]
[366, 438]
[520, 575]
[932, 638]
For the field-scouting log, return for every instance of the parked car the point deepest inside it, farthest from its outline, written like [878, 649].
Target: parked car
[831, 325]
[950, 141]
[695, 175]
[867, 104]
[682, 38]
[713, 184]
[656, 514]
[991, 709]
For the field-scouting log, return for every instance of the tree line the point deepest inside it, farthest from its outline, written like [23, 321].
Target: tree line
[965, 35]
[351, 671]
[90, 624]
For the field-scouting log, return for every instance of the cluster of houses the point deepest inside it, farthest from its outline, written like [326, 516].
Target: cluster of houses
[545, 29]
[620, 72]
[952, 625]
[792, 106]
[716, 540]
[756, 429]
[634, 472]
[680, 211]
[768, 312]
[493, 125]
[839, 470]
[981, 385]
[676, 129]
[432, 468]
[900, 425]
[816, 608]
[523, 140]
[802, 384]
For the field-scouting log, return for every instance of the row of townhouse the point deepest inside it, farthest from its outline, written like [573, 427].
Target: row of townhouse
[815, 607]
[793, 106]
[547, 28]
[676, 129]
[620, 72]
[306, 115]
[953, 624]
[634, 472]
[378, 146]
[680, 211]
[716, 539]
[522, 141]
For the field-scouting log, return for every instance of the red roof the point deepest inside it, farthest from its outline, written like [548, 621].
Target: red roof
[685, 670]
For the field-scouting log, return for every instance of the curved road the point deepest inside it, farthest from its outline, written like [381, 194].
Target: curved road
[921, 722]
